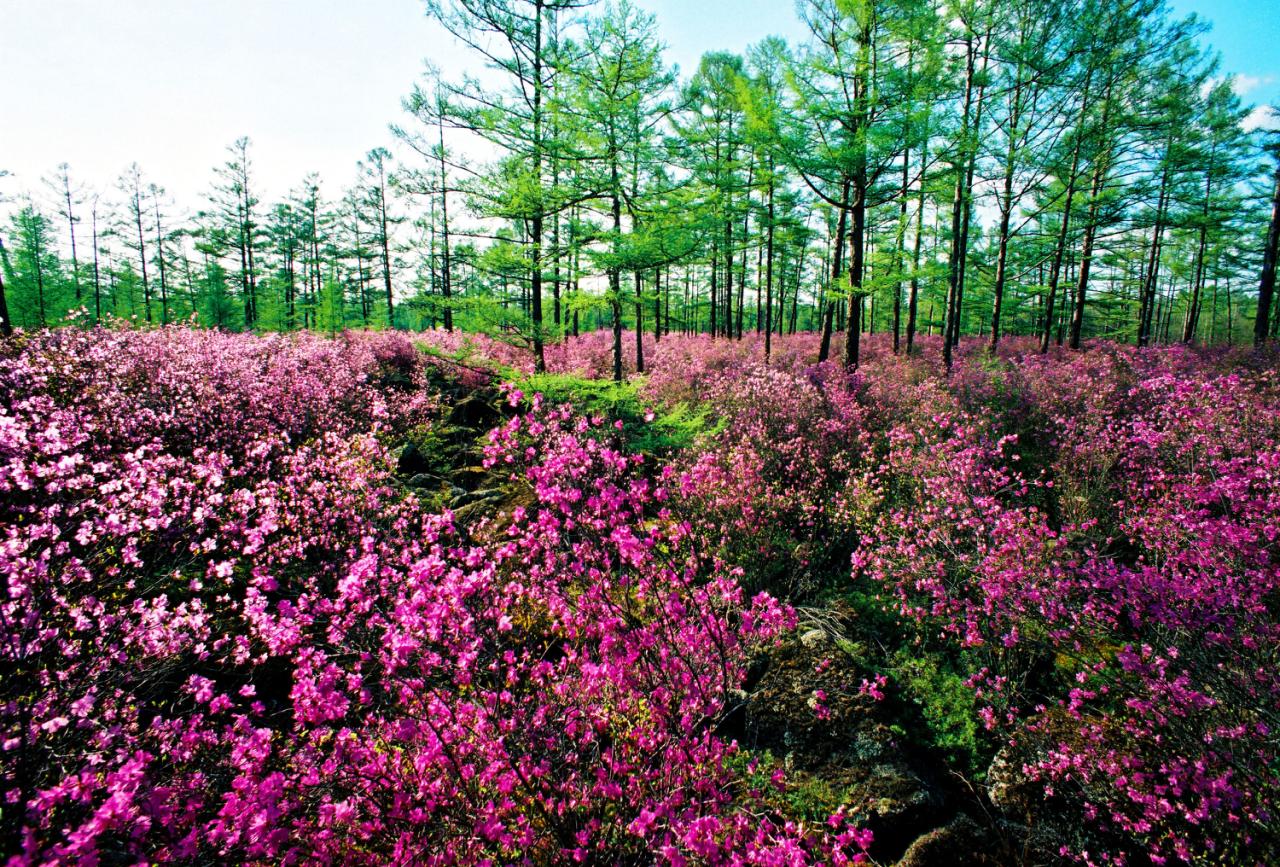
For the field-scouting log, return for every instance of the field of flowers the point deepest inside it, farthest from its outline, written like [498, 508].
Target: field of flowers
[393, 598]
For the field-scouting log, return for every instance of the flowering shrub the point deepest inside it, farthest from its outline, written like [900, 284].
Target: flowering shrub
[1118, 608]
[229, 635]
[773, 487]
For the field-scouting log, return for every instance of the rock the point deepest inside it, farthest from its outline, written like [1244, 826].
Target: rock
[895, 802]
[757, 668]
[411, 461]
[733, 723]
[422, 480]
[474, 412]
[959, 843]
[839, 740]
[1009, 789]
[814, 638]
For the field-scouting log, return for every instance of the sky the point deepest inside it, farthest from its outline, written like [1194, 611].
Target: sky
[169, 84]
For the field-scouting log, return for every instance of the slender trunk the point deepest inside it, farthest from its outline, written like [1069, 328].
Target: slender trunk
[1055, 271]
[446, 272]
[38, 265]
[6, 327]
[615, 275]
[657, 305]
[1267, 285]
[1006, 211]
[968, 191]
[142, 253]
[384, 238]
[903, 219]
[728, 274]
[97, 278]
[577, 268]
[71, 223]
[1103, 160]
[957, 205]
[1192, 315]
[913, 299]
[857, 240]
[164, 285]
[837, 263]
[768, 277]
[746, 234]
[857, 249]
[795, 298]
[1147, 301]
[666, 300]
[535, 229]
[715, 270]
[1086, 256]
[639, 286]
[244, 261]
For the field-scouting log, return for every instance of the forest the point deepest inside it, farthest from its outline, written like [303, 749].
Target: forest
[861, 451]
[1068, 170]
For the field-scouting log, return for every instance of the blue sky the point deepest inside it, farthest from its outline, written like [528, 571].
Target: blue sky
[1247, 33]
[314, 83]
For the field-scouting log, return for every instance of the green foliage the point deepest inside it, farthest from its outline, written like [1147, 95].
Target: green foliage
[670, 428]
[804, 796]
[948, 707]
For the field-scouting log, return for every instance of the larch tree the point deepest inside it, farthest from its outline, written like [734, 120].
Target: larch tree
[512, 38]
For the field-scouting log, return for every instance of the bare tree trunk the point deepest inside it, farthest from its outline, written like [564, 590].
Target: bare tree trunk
[6, 326]
[768, 276]
[639, 285]
[837, 262]
[1267, 285]
[1056, 270]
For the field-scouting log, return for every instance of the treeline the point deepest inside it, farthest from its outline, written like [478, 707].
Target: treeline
[1065, 169]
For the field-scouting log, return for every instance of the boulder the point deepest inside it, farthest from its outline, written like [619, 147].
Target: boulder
[959, 843]
[411, 461]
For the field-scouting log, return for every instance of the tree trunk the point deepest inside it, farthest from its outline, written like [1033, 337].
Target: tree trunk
[6, 326]
[1267, 285]
[639, 324]
[768, 276]
[1147, 301]
[837, 262]
[97, 278]
[535, 229]
[446, 269]
[857, 239]
[1056, 270]
[913, 300]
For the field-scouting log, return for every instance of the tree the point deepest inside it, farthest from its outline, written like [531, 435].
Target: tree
[233, 226]
[68, 196]
[1033, 47]
[373, 197]
[511, 36]
[132, 230]
[616, 100]
[840, 140]
[434, 181]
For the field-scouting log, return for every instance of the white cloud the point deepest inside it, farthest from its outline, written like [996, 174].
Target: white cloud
[1262, 117]
[1244, 84]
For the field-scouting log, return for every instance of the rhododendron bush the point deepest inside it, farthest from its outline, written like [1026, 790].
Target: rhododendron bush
[234, 630]
[229, 634]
